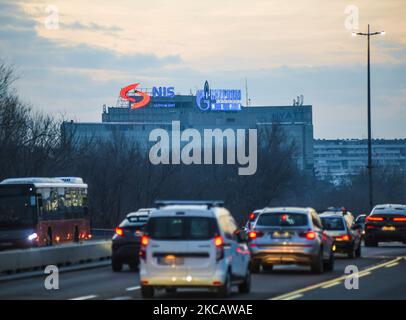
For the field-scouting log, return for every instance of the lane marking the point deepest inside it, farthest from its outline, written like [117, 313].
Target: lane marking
[331, 285]
[296, 296]
[363, 274]
[133, 288]
[392, 265]
[326, 283]
[92, 296]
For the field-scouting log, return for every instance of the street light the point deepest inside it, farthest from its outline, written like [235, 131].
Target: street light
[368, 35]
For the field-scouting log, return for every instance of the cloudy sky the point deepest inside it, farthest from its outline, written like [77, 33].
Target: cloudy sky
[72, 57]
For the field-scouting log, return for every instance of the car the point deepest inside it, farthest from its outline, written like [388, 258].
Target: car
[126, 241]
[360, 220]
[385, 223]
[347, 237]
[289, 235]
[193, 244]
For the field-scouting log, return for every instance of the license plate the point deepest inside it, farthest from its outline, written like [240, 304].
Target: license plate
[170, 260]
[388, 228]
[281, 235]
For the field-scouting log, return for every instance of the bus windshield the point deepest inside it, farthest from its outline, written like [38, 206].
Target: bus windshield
[16, 211]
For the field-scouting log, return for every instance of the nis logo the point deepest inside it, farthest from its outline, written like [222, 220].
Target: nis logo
[140, 98]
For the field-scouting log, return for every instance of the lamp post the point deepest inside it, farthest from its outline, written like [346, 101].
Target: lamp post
[370, 180]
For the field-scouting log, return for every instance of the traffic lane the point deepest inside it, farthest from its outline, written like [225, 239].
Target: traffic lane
[387, 282]
[100, 283]
[281, 280]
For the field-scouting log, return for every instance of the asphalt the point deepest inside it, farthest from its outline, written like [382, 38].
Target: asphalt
[381, 270]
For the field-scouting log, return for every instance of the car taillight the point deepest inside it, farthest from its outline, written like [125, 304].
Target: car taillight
[399, 219]
[374, 219]
[252, 216]
[218, 242]
[119, 231]
[344, 237]
[255, 234]
[310, 235]
[144, 240]
[143, 250]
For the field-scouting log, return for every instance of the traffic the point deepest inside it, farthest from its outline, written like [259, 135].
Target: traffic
[179, 245]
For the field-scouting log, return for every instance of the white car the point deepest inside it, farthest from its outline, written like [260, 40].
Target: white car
[193, 244]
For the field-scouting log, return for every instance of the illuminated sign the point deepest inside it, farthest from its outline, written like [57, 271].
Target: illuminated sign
[218, 99]
[145, 98]
[141, 99]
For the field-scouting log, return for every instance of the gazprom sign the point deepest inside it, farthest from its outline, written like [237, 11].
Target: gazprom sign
[218, 99]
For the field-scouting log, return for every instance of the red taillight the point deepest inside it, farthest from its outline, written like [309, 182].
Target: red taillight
[345, 237]
[311, 235]
[374, 219]
[144, 241]
[119, 231]
[255, 234]
[399, 219]
[370, 227]
[218, 241]
[252, 216]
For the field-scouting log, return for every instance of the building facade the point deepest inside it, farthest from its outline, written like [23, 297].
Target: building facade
[136, 124]
[337, 160]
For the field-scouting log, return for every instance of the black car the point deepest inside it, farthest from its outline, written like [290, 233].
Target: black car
[387, 222]
[126, 240]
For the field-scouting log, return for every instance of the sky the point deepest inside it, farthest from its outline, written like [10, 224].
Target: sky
[71, 57]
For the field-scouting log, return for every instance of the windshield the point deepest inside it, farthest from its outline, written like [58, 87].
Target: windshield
[15, 211]
[181, 228]
[282, 219]
[333, 223]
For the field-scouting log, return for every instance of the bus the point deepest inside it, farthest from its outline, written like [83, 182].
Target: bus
[43, 211]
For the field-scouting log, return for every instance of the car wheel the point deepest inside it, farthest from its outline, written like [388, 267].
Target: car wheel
[267, 268]
[133, 266]
[370, 243]
[255, 266]
[329, 264]
[351, 253]
[116, 265]
[358, 251]
[245, 287]
[147, 292]
[317, 264]
[224, 290]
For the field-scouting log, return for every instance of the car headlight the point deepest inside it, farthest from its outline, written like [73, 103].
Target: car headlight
[32, 236]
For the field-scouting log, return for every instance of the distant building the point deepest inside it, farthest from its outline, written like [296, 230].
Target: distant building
[337, 160]
[136, 124]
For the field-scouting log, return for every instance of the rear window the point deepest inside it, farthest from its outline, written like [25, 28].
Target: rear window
[282, 220]
[333, 223]
[181, 228]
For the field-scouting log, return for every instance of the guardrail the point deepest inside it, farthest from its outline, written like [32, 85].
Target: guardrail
[102, 233]
[64, 254]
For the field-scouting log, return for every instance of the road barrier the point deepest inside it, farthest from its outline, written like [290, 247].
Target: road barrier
[64, 254]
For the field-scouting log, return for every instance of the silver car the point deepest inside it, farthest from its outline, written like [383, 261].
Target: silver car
[290, 236]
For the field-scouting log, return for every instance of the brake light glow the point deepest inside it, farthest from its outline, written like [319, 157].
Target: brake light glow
[310, 235]
[345, 237]
[402, 219]
[144, 240]
[255, 234]
[119, 231]
[218, 241]
[374, 219]
[252, 216]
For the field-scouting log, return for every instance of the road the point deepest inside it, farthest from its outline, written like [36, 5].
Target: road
[381, 269]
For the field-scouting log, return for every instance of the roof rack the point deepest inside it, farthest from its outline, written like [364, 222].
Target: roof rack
[208, 203]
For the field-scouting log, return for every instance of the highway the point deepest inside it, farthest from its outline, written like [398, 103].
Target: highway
[381, 269]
